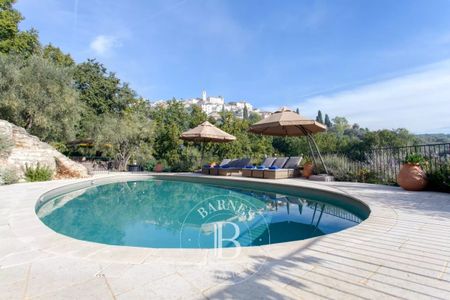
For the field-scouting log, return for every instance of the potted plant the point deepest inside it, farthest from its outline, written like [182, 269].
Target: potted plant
[159, 167]
[308, 167]
[412, 177]
[133, 166]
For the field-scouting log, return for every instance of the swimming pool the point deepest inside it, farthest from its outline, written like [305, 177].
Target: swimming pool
[171, 213]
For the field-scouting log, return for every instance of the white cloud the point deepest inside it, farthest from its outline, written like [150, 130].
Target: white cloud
[419, 101]
[103, 44]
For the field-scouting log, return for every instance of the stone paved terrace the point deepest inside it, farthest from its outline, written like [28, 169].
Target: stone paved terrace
[401, 251]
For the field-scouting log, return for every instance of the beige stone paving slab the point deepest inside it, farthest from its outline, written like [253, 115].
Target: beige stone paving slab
[144, 292]
[5, 232]
[41, 241]
[93, 289]
[136, 276]
[23, 257]
[281, 272]
[177, 257]
[72, 248]
[401, 290]
[15, 290]
[10, 246]
[256, 288]
[441, 286]
[53, 274]
[333, 287]
[10, 275]
[174, 287]
[129, 255]
[209, 276]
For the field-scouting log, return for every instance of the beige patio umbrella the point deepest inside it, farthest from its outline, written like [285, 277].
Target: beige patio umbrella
[207, 132]
[288, 123]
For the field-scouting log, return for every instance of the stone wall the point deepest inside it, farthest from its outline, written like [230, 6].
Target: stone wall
[28, 150]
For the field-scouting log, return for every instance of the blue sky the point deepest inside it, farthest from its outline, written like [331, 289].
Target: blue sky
[382, 64]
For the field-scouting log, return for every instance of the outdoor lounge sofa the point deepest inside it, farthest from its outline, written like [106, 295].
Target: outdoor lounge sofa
[234, 166]
[277, 164]
[288, 170]
[256, 171]
[207, 170]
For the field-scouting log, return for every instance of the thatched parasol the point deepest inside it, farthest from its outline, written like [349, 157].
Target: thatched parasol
[288, 123]
[207, 132]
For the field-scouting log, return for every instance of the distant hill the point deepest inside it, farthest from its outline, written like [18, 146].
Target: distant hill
[434, 138]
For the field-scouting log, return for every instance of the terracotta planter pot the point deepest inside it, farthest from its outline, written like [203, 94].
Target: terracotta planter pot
[308, 169]
[412, 178]
[159, 167]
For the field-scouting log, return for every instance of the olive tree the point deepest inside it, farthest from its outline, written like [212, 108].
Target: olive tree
[124, 136]
[39, 96]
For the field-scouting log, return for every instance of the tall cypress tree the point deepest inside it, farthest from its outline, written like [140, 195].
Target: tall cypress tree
[297, 111]
[319, 117]
[245, 112]
[327, 121]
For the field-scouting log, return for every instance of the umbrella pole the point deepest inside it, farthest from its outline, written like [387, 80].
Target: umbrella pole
[311, 150]
[318, 152]
[311, 140]
[202, 155]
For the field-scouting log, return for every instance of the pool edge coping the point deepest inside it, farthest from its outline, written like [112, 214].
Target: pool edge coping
[44, 239]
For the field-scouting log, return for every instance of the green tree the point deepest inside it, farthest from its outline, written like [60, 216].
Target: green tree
[197, 116]
[340, 125]
[389, 138]
[297, 111]
[124, 136]
[55, 55]
[12, 40]
[38, 95]
[245, 112]
[327, 121]
[319, 117]
[171, 121]
[101, 90]
[246, 144]
[254, 117]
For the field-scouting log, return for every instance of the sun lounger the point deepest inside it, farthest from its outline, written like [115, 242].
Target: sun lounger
[287, 170]
[234, 166]
[207, 169]
[280, 161]
[257, 171]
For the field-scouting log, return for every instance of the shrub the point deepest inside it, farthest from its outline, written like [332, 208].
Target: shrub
[367, 176]
[8, 176]
[415, 159]
[340, 167]
[306, 160]
[61, 147]
[189, 161]
[38, 173]
[149, 166]
[440, 179]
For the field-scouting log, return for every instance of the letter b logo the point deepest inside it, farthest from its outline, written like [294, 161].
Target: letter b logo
[219, 239]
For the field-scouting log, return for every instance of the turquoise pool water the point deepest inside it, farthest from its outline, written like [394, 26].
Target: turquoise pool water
[173, 214]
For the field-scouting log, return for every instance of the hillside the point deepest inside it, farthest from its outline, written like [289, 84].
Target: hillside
[434, 138]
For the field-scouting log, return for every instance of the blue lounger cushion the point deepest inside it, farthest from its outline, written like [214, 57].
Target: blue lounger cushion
[273, 168]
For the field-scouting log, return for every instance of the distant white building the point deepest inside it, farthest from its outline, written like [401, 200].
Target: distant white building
[265, 114]
[216, 100]
[213, 106]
